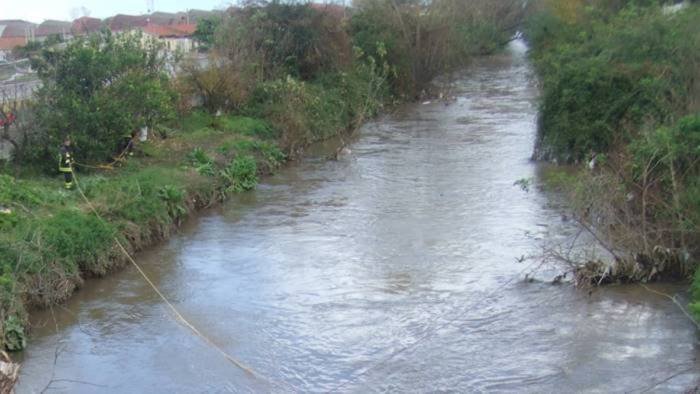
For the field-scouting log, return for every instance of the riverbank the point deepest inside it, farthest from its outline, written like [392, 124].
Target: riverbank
[324, 75]
[343, 276]
[52, 243]
[620, 100]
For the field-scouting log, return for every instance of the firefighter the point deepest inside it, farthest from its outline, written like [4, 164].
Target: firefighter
[65, 163]
[126, 146]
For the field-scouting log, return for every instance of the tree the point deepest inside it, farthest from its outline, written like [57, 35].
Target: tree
[98, 89]
[204, 34]
[422, 39]
[277, 39]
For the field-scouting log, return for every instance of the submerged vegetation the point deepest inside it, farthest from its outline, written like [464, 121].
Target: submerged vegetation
[278, 77]
[621, 93]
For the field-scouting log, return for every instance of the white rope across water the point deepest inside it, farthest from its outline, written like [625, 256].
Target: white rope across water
[172, 307]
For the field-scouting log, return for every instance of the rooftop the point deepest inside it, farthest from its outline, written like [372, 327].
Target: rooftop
[15, 28]
[162, 31]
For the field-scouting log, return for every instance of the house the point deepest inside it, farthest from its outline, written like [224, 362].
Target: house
[85, 25]
[121, 22]
[179, 18]
[54, 28]
[16, 28]
[7, 44]
[14, 33]
[177, 38]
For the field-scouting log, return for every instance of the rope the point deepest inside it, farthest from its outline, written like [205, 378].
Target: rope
[172, 307]
[109, 166]
[675, 301]
[96, 167]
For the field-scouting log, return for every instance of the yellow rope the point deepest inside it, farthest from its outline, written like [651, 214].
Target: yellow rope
[108, 166]
[675, 301]
[170, 305]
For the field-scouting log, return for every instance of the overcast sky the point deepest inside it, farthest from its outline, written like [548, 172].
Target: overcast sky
[38, 10]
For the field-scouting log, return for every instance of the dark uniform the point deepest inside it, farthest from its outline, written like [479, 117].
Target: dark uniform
[126, 147]
[65, 165]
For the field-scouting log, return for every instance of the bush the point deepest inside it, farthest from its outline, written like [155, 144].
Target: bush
[695, 294]
[97, 90]
[240, 175]
[174, 199]
[202, 163]
[421, 40]
[280, 39]
[604, 76]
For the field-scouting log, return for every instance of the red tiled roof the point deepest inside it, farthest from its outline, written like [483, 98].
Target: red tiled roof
[8, 43]
[16, 28]
[160, 31]
[126, 22]
[50, 27]
[86, 25]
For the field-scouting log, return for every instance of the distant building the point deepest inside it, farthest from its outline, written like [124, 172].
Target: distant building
[175, 30]
[14, 33]
[85, 25]
[50, 28]
[7, 44]
[121, 22]
[175, 37]
[17, 28]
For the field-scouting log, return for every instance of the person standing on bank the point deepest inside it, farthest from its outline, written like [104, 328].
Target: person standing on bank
[65, 163]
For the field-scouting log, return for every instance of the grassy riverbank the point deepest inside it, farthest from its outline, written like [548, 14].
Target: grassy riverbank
[51, 242]
[620, 97]
[296, 74]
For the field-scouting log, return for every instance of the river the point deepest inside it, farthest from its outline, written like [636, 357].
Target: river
[393, 269]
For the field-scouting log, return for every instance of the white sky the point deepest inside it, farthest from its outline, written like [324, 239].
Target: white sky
[38, 10]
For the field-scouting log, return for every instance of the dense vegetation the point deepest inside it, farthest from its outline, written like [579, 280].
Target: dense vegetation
[97, 90]
[621, 84]
[278, 77]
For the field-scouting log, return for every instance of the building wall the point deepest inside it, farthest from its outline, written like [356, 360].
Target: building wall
[184, 45]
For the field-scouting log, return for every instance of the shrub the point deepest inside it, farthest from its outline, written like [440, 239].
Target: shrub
[695, 294]
[202, 163]
[421, 40]
[174, 199]
[97, 90]
[280, 39]
[15, 338]
[604, 76]
[240, 175]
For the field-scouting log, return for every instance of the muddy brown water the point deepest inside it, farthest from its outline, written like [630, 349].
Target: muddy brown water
[393, 269]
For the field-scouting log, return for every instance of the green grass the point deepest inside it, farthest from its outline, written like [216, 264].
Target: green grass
[51, 238]
[196, 120]
[248, 126]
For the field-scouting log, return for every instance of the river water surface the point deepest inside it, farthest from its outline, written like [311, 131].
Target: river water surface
[394, 269]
